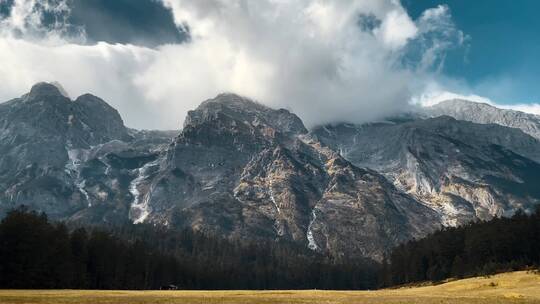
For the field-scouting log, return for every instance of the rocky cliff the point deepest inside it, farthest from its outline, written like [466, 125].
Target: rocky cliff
[243, 170]
[483, 113]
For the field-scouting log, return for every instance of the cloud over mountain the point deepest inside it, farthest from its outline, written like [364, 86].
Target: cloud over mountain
[326, 60]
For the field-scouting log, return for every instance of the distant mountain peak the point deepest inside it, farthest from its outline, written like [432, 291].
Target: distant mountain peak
[232, 107]
[232, 98]
[94, 101]
[454, 101]
[232, 102]
[484, 113]
[46, 111]
[44, 89]
[60, 88]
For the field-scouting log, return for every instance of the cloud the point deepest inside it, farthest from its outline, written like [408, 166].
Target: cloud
[140, 22]
[39, 19]
[437, 34]
[427, 99]
[396, 29]
[310, 56]
[532, 108]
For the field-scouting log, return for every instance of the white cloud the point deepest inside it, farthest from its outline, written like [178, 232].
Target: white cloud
[396, 29]
[307, 55]
[432, 98]
[532, 108]
[436, 34]
[27, 19]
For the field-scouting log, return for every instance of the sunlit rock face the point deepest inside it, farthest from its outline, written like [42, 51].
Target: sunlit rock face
[461, 170]
[54, 153]
[486, 114]
[254, 172]
[242, 170]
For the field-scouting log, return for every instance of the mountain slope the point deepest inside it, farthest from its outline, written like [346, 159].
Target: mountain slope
[243, 170]
[464, 171]
[486, 114]
[50, 146]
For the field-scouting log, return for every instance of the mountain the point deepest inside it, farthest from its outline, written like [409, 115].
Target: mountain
[487, 114]
[462, 170]
[51, 147]
[245, 171]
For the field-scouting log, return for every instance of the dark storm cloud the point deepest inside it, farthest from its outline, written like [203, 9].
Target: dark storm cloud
[140, 22]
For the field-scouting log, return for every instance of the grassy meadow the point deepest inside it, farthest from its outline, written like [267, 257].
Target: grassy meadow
[514, 287]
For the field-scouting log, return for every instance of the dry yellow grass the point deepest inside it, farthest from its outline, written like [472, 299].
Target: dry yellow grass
[514, 287]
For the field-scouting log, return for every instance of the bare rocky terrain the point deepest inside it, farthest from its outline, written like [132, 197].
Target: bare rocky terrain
[243, 170]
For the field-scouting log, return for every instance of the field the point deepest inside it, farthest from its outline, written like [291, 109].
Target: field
[515, 287]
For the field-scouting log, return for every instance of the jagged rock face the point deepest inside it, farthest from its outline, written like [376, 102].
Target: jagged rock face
[486, 114]
[45, 114]
[461, 170]
[52, 147]
[232, 108]
[360, 212]
[244, 170]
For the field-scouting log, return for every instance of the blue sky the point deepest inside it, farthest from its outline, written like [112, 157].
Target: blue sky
[502, 58]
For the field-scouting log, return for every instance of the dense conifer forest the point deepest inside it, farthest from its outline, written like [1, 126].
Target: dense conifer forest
[482, 248]
[35, 253]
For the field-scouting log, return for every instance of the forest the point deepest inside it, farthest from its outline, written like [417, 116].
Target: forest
[37, 253]
[480, 248]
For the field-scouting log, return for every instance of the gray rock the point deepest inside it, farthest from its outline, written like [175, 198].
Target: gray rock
[247, 171]
[244, 170]
[486, 114]
[461, 170]
[52, 150]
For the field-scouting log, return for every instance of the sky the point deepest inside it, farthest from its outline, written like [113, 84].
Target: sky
[327, 61]
[501, 59]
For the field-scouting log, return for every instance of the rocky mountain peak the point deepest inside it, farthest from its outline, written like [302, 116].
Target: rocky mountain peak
[237, 110]
[456, 102]
[91, 100]
[484, 113]
[43, 90]
[233, 101]
[101, 116]
[46, 112]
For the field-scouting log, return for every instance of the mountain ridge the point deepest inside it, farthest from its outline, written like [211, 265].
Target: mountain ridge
[244, 170]
[485, 113]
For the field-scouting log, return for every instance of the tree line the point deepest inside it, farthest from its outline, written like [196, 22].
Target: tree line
[481, 248]
[37, 253]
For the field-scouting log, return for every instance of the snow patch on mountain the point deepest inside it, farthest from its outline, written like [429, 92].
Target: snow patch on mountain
[140, 207]
[76, 157]
[273, 199]
[312, 244]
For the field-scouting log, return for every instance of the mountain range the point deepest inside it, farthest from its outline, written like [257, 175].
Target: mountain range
[243, 170]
